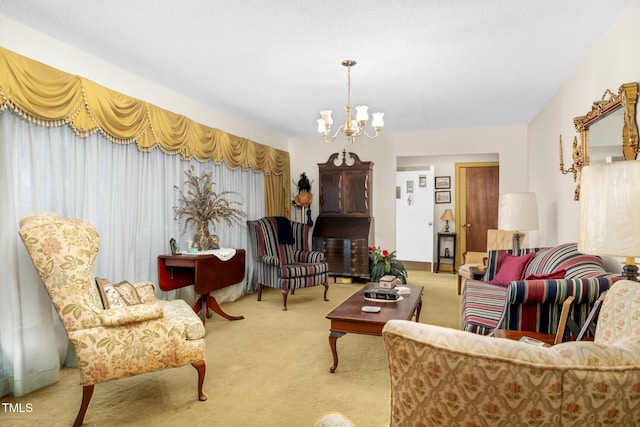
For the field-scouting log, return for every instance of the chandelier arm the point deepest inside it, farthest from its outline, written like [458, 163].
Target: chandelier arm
[364, 132]
[330, 138]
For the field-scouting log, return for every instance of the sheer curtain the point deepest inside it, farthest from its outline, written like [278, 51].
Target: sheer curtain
[127, 194]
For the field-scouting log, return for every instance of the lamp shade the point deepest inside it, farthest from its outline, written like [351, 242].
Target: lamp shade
[325, 115]
[518, 211]
[362, 114]
[610, 210]
[378, 120]
[447, 215]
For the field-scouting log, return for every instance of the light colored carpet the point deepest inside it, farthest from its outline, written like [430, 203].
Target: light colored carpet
[269, 369]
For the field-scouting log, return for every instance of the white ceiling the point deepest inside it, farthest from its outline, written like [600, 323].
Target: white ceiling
[426, 64]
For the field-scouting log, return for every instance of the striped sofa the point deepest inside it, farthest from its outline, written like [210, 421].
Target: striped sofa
[281, 249]
[535, 304]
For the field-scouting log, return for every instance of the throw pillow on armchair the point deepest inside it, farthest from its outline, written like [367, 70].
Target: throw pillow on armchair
[511, 268]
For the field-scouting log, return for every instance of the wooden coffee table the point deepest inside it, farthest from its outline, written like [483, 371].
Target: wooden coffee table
[349, 318]
[517, 335]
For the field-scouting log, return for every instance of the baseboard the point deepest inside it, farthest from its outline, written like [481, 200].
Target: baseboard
[446, 268]
[416, 265]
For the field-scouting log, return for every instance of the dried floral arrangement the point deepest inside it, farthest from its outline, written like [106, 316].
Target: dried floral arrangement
[202, 206]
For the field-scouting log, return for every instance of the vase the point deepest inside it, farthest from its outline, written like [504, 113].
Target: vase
[202, 237]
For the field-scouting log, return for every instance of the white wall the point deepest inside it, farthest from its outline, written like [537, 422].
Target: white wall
[508, 142]
[40, 47]
[611, 63]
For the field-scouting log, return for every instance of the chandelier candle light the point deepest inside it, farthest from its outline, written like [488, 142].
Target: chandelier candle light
[352, 128]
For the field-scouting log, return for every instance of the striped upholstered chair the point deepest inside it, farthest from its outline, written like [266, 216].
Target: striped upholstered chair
[496, 239]
[535, 304]
[285, 260]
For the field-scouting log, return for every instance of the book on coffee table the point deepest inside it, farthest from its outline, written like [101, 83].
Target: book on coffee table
[533, 341]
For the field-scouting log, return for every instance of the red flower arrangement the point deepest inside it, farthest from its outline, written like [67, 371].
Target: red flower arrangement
[383, 262]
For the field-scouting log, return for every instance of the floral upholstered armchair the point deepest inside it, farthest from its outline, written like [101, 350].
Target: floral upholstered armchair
[442, 376]
[117, 330]
[284, 258]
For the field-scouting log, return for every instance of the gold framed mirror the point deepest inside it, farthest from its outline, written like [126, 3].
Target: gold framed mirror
[599, 132]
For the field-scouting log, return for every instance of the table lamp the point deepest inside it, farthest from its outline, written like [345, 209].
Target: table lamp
[518, 212]
[609, 213]
[447, 216]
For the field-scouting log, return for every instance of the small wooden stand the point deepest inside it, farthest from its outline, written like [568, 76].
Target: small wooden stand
[207, 272]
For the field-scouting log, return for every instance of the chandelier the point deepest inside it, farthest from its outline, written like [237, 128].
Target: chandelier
[352, 128]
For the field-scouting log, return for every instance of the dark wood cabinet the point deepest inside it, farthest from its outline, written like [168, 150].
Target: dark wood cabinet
[344, 228]
[345, 190]
[350, 257]
[331, 186]
[345, 243]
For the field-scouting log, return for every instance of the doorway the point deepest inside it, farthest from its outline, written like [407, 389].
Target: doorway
[414, 215]
[477, 194]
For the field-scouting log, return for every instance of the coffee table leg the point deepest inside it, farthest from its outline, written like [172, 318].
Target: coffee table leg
[333, 337]
[418, 308]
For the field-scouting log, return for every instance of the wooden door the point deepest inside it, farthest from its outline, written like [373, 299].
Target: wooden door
[476, 204]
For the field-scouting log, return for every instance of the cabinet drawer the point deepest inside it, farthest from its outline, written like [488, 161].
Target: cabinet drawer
[345, 256]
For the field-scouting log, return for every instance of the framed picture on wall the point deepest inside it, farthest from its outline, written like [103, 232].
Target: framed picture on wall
[443, 182]
[443, 196]
[409, 187]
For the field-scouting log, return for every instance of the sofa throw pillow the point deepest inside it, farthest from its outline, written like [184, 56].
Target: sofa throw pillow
[556, 275]
[511, 268]
[117, 295]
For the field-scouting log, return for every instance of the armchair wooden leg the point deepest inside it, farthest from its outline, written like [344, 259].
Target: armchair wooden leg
[459, 284]
[326, 288]
[87, 392]
[284, 297]
[259, 291]
[201, 367]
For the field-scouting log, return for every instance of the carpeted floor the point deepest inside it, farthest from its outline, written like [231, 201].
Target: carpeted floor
[269, 369]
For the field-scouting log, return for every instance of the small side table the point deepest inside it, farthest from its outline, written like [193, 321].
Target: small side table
[442, 237]
[207, 273]
[477, 273]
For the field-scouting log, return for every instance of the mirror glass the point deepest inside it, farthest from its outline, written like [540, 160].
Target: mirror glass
[608, 132]
[605, 137]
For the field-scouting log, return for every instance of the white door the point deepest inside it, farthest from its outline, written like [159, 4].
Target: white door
[414, 215]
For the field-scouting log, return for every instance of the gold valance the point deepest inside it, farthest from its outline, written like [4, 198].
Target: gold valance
[50, 97]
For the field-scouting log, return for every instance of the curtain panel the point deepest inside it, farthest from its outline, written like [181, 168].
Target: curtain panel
[128, 195]
[50, 97]
[76, 148]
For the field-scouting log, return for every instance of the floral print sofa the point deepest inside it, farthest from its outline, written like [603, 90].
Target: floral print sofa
[142, 334]
[448, 377]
